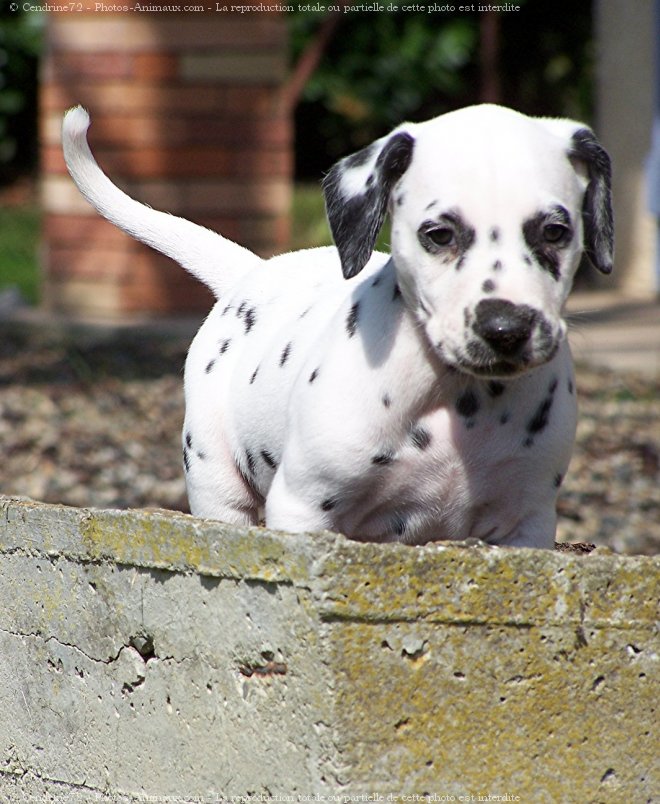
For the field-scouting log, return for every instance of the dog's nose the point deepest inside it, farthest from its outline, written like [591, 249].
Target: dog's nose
[506, 327]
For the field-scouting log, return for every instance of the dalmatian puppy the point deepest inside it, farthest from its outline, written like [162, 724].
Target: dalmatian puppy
[424, 395]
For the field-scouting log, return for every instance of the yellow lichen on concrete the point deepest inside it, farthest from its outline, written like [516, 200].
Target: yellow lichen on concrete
[523, 710]
[481, 584]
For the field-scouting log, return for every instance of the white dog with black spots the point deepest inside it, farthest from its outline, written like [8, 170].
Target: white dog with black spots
[423, 395]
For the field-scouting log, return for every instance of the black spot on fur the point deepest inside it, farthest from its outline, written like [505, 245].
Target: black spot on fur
[421, 437]
[467, 404]
[352, 319]
[397, 292]
[505, 417]
[227, 309]
[448, 235]
[496, 388]
[329, 504]
[285, 354]
[186, 460]
[527, 259]
[488, 286]
[553, 385]
[494, 234]
[557, 480]
[209, 366]
[241, 309]
[546, 342]
[268, 459]
[399, 525]
[497, 265]
[386, 400]
[376, 282]
[383, 459]
[254, 375]
[188, 440]
[249, 458]
[541, 417]
[535, 232]
[225, 345]
[313, 375]
[249, 481]
[201, 455]
[250, 319]
[571, 387]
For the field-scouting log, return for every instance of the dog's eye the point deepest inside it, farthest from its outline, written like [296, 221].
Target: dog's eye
[555, 232]
[442, 236]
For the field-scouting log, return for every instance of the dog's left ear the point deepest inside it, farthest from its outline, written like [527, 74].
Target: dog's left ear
[597, 215]
[588, 156]
[357, 191]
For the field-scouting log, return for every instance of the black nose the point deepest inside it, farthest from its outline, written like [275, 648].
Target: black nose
[506, 327]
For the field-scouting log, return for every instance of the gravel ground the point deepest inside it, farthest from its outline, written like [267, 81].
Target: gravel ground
[99, 426]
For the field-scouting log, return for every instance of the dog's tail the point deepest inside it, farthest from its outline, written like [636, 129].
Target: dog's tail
[213, 259]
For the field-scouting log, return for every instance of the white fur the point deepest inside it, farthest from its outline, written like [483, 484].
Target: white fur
[345, 404]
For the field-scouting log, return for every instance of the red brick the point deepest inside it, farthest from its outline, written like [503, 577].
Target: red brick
[155, 66]
[229, 227]
[145, 279]
[166, 32]
[204, 147]
[159, 285]
[155, 163]
[105, 64]
[127, 131]
[110, 97]
[89, 263]
[82, 232]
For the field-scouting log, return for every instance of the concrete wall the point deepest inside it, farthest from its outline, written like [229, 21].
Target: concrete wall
[153, 656]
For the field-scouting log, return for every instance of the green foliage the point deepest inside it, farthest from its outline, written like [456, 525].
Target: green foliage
[309, 225]
[382, 68]
[20, 45]
[19, 237]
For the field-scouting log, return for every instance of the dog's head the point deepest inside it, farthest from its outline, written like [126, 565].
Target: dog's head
[491, 211]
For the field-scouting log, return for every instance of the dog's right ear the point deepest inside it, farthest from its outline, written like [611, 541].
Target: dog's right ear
[357, 191]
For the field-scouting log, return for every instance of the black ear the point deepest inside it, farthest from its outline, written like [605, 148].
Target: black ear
[357, 191]
[597, 205]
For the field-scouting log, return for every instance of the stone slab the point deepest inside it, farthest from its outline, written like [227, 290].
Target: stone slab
[154, 656]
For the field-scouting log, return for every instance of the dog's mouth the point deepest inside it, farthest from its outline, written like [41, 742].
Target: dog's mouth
[479, 360]
[500, 369]
[502, 339]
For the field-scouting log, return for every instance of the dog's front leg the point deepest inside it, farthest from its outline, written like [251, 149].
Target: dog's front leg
[293, 510]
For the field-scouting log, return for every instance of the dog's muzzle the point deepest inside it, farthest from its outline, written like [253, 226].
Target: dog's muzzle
[508, 339]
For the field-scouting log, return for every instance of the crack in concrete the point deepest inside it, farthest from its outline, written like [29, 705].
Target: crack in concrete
[46, 639]
[100, 793]
[95, 659]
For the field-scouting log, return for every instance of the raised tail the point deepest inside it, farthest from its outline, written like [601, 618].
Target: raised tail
[216, 261]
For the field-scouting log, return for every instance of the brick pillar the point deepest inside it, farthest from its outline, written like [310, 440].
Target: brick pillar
[185, 117]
